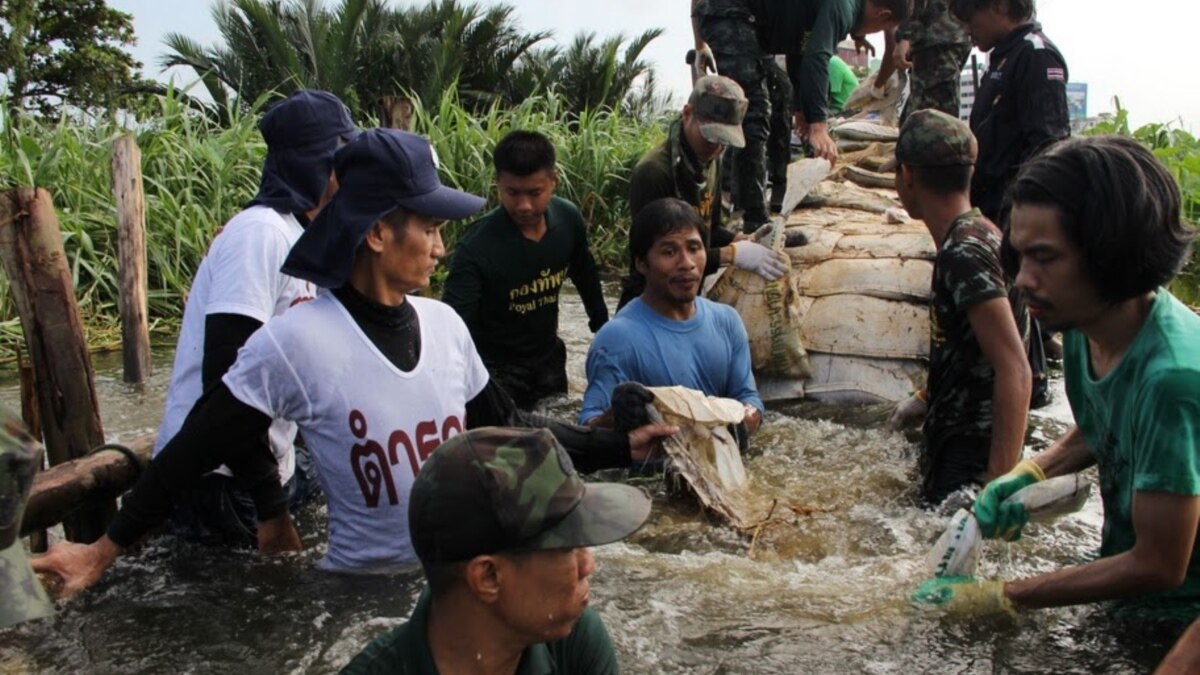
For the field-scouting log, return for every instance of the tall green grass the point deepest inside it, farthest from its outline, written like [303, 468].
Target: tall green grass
[198, 173]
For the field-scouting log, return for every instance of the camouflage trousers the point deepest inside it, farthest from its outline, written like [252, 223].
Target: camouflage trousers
[735, 46]
[934, 80]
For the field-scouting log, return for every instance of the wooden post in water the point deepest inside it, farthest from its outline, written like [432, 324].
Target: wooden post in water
[38, 541]
[31, 250]
[131, 246]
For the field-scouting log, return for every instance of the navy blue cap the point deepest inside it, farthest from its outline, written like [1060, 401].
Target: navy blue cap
[302, 133]
[378, 172]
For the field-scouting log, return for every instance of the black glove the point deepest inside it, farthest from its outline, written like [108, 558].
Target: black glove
[629, 401]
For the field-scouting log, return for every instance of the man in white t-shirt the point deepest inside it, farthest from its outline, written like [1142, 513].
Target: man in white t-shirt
[239, 286]
[375, 378]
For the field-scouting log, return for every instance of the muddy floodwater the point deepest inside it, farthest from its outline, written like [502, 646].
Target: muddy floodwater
[821, 590]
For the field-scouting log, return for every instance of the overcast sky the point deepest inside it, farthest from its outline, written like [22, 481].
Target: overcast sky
[1140, 51]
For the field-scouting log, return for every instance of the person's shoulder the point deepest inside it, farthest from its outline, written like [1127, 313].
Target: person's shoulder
[254, 223]
[1178, 328]
[588, 650]
[565, 211]
[435, 309]
[717, 311]
[384, 654]
[481, 229]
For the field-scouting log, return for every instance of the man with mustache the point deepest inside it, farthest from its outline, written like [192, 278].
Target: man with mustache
[668, 335]
[1096, 234]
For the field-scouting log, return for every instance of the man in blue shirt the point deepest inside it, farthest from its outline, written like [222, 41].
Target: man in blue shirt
[669, 336]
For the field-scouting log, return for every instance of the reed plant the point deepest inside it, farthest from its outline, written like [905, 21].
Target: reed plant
[199, 172]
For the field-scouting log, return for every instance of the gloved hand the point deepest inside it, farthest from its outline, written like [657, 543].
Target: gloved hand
[964, 596]
[997, 519]
[629, 401]
[705, 61]
[908, 412]
[766, 263]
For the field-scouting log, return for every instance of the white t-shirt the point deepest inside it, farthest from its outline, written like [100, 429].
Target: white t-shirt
[368, 425]
[239, 275]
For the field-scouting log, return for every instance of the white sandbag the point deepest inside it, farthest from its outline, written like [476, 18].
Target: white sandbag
[956, 552]
[705, 454]
[860, 325]
[848, 379]
[889, 278]
[1048, 499]
[865, 131]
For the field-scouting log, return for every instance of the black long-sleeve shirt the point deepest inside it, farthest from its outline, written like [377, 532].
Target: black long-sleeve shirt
[223, 430]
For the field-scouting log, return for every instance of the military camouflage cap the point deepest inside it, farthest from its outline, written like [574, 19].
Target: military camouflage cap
[494, 490]
[21, 595]
[933, 138]
[719, 104]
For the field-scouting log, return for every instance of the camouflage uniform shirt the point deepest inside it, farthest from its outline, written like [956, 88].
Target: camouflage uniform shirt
[931, 24]
[966, 272]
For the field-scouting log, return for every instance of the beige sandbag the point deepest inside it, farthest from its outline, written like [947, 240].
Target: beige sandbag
[860, 325]
[865, 131]
[843, 378]
[897, 244]
[849, 196]
[705, 454]
[869, 179]
[890, 278]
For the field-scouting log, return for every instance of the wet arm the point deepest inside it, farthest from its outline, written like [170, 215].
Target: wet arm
[1165, 526]
[463, 290]
[994, 327]
[1068, 455]
[590, 449]
[219, 430]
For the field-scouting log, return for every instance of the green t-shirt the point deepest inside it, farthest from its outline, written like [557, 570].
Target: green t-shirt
[1142, 423]
[404, 649]
[842, 82]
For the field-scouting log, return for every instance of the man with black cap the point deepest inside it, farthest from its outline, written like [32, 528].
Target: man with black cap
[502, 525]
[975, 402]
[239, 286]
[375, 378]
[687, 166]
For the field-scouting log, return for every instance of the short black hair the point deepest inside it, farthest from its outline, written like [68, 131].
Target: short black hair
[1018, 10]
[901, 9]
[442, 577]
[524, 153]
[660, 217]
[944, 180]
[1118, 204]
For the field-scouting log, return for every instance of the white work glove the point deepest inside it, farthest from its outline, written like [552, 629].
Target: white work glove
[766, 263]
[908, 412]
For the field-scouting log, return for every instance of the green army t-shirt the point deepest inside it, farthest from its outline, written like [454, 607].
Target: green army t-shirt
[405, 650]
[1142, 423]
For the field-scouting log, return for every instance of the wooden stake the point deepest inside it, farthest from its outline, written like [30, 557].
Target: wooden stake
[31, 250]
[131, 245]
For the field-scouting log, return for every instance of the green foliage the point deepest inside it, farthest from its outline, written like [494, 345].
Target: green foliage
[66, 52]
[198, 173]
[366, 50]
[1180, 152]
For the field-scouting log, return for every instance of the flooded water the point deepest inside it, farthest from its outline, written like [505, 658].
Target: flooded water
[822, 591]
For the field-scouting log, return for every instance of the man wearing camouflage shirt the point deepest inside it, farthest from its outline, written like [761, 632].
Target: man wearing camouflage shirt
[933, 46]
[502, 525]
[975, 400]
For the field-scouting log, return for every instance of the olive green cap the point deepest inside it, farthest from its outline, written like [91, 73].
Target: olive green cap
[719, 105]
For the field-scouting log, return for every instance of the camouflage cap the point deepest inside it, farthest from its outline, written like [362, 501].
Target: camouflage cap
[719, 105]
[21, 595]
[933, 138]
[494, 490]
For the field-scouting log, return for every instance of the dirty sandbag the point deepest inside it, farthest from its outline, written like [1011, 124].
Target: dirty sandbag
[891, 278]
[865, 131]
[766, 306]
[855, 380]
[863, 103]
[869, 179]
[849, 196]
[705, 453]
[861, 325]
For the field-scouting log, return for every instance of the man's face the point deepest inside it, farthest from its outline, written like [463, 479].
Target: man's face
[674, 266]
[1052, 275]
[989, 25]
[874, 20]
[411, 251]
[543, 593]
[705, 150]
[525, 198]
